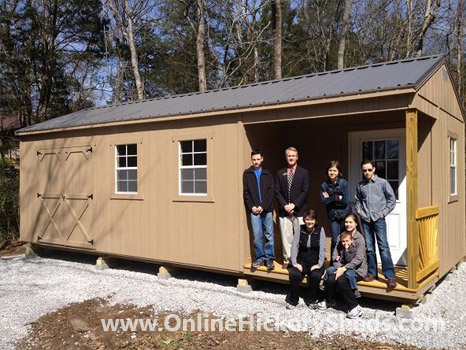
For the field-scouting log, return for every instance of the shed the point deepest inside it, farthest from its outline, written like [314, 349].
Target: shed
[160, 180]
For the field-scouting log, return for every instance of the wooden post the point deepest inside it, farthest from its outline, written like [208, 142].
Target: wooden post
[412, 196]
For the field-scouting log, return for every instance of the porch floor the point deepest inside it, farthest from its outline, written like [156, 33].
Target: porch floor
[282, 274]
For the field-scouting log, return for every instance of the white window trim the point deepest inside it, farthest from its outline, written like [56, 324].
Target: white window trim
[455, 163]
[124, 168]
[181, 167]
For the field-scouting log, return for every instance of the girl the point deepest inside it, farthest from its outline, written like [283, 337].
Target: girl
[307, 258]
[334, 193]
[343, 275]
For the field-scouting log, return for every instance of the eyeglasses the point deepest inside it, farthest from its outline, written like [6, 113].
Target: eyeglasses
[367, 170]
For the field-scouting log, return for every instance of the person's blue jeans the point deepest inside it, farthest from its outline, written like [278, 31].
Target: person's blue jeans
[350, 274]
[378, 230]
[262, 225]
[336, 227]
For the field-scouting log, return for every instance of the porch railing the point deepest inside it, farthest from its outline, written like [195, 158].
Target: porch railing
[427, 224]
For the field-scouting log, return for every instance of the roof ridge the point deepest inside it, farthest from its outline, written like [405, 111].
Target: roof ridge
[266, 82]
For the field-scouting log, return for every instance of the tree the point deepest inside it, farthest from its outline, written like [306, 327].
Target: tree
[344, 31]
[277, 38]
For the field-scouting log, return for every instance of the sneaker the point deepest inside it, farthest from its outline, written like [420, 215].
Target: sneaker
[257, 264]
[325, 305]
[312, 304]
[357, 293]
[391, 283]
[270, 265]
[285, 266]
[290, 306]
[354, 312]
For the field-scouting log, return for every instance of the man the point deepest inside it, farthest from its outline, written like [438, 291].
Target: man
[375, 199]
[258, 196]
[291, 189]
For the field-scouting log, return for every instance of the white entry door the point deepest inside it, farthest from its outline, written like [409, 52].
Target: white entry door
[387, 148]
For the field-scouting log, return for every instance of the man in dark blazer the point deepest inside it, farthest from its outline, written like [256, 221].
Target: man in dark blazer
[291, 189]
[258, 197]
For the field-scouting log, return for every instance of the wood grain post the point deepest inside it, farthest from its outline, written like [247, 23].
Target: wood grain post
[412, 196]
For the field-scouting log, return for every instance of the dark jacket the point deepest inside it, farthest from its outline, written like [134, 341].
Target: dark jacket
[299, 190]
[353, 258]
[251, 194]
[336, 209]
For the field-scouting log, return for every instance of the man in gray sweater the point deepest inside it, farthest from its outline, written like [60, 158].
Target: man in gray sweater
[375, 199]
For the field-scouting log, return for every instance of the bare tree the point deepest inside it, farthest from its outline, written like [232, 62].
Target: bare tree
[459, 47]
[344, 31]
[429, 18]
[277, 38]
[409, 25]
[128, 17]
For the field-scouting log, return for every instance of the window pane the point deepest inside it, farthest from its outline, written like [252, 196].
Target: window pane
[122, 186]
[132, 186]
[394, 185]
[187, 187]
[367, 150]
[200, 145]
[132, 149]
[201, 174]
[186, 146]
[132, 161]
[122, 175]
[380, 169]
[200, 159]
[201, 186]
[187, 174]
[121, 162]
[379, 149]
[132, 175]
[453, 180]
[121, 150]
[392, 169]
[187, 159]
[392, 149]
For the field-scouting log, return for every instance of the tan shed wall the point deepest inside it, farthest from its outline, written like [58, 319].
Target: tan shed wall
[155, 224]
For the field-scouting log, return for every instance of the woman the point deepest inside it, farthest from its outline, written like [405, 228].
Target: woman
[334, 193]
[307, 258]
[349, 266]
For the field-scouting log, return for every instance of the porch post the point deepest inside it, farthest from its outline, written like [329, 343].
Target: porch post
[412, 196]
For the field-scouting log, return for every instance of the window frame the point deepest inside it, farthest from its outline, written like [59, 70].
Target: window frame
[453, 197]
[182, 167]
[117, 168]
[178, 196]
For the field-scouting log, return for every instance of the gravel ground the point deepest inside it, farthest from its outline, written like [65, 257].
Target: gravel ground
[30, 288]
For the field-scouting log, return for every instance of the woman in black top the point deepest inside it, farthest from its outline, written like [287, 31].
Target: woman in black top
[307, 258]
[334, 193]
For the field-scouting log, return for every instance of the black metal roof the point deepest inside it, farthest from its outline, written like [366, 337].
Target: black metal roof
[408, 73]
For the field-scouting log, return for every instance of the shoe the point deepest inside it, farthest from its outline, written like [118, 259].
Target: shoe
[391, 283]
[325, 305]
[256, 264]
[291, 306]
[357, 294]
[354, 312]
[369, 278]
[270, 265]
[285, 266]
[312, 304]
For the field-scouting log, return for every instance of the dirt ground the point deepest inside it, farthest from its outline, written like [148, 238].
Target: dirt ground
[12, 248]
[79, 326]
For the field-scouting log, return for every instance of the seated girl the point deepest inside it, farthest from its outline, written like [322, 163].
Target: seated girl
[349, 266]
[307, 258]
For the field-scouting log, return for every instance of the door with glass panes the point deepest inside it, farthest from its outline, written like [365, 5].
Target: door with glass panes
[387, 149]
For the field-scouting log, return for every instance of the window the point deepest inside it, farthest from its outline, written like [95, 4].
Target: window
[126, 166]
[453, 166]
[193, 167]
[385, 154]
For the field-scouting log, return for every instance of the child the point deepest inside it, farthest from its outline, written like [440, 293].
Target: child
[349, 266]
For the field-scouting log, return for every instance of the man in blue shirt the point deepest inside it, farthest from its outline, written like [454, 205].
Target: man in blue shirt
[258, 190]
[375, 199]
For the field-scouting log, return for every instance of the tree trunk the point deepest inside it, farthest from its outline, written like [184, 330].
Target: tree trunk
[134, 55]
[344, 31]
[200, 46]
[429, 18]
[459, 48]
[409, 35]
[277, 39]
[121, 68]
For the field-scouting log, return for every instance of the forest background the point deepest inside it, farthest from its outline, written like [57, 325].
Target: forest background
[60, 56]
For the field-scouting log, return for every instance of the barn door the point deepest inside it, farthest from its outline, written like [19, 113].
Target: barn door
[66, 195]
